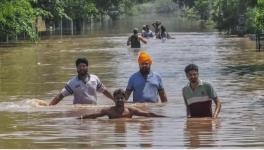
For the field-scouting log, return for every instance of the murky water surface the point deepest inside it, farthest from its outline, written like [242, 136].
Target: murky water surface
[40, 71]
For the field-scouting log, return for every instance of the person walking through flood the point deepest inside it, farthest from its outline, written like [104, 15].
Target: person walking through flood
[156, 25]
[163, 34]
[198, 95]
[147, 32]
[134, 40]
[82, 86]
[145, 84]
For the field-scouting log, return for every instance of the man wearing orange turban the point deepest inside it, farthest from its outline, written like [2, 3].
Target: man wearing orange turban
[144, 57]
[146, 85]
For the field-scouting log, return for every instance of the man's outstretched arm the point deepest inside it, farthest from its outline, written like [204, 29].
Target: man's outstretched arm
[142, 40]
[139, 112]
[127, 94]
[56, 99]
[108, 94]
[93, 116]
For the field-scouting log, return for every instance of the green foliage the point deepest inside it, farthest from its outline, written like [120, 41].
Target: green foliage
[17, 16]
[165, 6]
[191, 14]
[260, 14]
[228, 14]
[127, 7]
[232, 16]
[52, 9]
[80, 9]
[187, 3]
[250, 21]
[112, 8]
[154, 6]
[202, 8]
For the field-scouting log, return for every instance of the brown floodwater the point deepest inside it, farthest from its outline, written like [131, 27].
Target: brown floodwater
[40, 71]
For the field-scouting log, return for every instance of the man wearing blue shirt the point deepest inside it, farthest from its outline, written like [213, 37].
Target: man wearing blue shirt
[145, 84]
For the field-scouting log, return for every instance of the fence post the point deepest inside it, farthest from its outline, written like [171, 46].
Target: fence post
[61, 27]
[71, 27]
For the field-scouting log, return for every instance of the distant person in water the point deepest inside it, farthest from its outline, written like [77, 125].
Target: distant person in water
[163, 34]
[120, 110]
[198, 95]
[143, 30]
[82, 86]
[147, 32]
[156, 27]
[146, 85]
[134, 40]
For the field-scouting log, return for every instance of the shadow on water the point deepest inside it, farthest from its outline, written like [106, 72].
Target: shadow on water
[199, 132]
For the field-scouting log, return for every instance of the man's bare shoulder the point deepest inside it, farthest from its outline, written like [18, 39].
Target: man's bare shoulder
[107, 110]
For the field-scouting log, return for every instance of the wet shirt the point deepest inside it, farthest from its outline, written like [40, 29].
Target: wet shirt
[200, 99]
[145, 90]
[84, 92]
[134, 41]
[147, 34]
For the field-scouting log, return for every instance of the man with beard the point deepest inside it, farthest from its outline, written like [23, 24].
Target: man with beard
[145, 84]
[120, 110]
[198, 95]
[83, 86]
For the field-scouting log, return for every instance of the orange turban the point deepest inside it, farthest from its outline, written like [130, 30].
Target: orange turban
[144, 57]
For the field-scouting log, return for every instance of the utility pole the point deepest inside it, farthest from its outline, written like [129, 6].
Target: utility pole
[61, 27]
[71, 27]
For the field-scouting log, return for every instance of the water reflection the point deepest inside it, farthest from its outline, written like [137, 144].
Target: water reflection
[120, 128]
[200, 132]
[145, 132]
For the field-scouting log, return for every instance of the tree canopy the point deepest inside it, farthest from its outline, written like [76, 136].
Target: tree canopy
[19, 16]
[260, 14]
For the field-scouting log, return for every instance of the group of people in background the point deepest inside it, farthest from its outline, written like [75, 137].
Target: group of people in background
[146, 86]
[159, 33]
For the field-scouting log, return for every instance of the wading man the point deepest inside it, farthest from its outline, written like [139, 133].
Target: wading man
[145, 84]
[82, 86]
[134, 40]
[198, 95]
[120, 110]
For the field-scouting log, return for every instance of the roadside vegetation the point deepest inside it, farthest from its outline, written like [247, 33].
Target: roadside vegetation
[26, 18]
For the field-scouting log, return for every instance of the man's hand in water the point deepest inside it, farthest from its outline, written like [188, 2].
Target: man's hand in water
[39, 102]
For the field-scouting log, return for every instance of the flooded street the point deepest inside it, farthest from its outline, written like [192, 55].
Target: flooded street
[40, 71]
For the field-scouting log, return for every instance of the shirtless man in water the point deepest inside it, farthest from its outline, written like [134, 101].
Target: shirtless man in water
[119, 110]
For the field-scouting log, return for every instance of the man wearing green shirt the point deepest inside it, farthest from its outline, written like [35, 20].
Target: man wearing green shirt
[198, 95]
